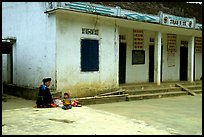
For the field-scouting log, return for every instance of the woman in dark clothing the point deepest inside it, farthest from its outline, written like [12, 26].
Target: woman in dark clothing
[44, 99]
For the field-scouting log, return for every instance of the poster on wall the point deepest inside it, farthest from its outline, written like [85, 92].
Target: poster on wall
[138, 39]
[171, 42]
[171, 59]
[198, 44]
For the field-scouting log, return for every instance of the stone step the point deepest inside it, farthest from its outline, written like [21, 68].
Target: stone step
[146, 91]
[155, 95]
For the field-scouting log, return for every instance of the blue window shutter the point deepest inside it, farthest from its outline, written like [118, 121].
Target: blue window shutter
[89, 55]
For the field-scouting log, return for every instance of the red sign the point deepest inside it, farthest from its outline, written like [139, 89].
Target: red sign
[138, 39]
[198, 44]
[171, 42]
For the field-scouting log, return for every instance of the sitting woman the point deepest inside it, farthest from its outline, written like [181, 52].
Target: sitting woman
[44, 99]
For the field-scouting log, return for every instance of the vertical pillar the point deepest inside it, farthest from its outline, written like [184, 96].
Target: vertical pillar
[157, 60]
[116, 50]
[1, 75]
[191, 59]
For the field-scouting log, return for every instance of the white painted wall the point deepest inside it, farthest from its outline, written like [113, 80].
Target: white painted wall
[34, 51]
[170, 73]
[140, 73]
[69, 33]
[198, 65]
[133, 72]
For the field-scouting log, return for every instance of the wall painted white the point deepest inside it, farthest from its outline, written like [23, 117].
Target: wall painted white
[133, 72]
[34, 50]
[69, 34]
[198, 66]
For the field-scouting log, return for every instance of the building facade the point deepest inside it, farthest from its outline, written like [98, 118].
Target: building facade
[87, 47]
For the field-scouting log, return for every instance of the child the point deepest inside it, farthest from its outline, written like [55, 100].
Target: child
[44, 99]
[66, 101]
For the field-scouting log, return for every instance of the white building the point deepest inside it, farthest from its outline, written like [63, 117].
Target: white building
[86, 47]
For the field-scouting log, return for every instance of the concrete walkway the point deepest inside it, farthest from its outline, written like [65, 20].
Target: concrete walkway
[178, 115]
[20, 118]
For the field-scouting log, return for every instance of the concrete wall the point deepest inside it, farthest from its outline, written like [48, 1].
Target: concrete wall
[34, 50]
[69, 35]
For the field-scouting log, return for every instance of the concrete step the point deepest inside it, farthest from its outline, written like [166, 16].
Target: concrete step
[154, 85]
[193, 87]
[155, 95]
[102, 99]
[150, 86]
[193, 83]
[129, 92]
[118, 92]
[197, 91]
[146, 91]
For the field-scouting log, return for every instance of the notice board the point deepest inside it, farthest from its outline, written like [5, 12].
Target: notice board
[138, 57]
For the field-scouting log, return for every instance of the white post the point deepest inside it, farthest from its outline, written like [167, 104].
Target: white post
[157, 60]
[191, 59]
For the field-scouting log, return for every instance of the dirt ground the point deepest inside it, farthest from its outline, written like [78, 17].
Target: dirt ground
[121, 118]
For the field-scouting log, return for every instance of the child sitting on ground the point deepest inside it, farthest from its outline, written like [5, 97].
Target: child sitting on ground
[66, 101]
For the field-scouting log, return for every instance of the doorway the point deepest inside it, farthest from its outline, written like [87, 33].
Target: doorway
[183, 63]
[151, 63]
[122, 63]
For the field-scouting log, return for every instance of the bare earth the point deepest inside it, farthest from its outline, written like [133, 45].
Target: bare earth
[20, 118]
